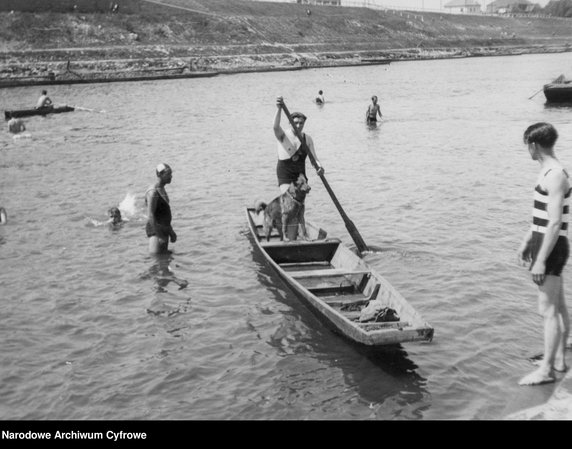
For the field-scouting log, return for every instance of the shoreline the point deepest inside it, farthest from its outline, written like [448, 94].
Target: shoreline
[22, 68]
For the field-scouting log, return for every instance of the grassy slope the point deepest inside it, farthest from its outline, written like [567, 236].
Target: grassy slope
[210, 28]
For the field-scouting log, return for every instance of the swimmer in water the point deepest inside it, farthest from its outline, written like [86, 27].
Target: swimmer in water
[3, 216]
[16, 125]
[115, 219]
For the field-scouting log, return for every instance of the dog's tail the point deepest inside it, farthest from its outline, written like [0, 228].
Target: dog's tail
[259, 206]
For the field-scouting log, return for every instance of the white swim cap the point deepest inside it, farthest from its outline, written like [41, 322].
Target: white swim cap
[161, 168]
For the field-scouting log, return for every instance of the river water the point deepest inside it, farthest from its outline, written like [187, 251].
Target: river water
[93, 327]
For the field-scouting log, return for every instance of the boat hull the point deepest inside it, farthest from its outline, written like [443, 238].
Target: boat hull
[18, 113]
[336, 285]
[558, 92]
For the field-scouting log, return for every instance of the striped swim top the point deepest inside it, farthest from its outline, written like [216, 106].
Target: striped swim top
[540, 214]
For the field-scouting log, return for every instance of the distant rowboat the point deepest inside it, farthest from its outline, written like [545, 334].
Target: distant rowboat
[559, 90]
[17, 113]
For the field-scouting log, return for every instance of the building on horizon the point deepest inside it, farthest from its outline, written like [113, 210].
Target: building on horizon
[463, 7]
[510, 7]
[320, 2]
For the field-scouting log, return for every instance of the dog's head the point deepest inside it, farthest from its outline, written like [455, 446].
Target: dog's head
[300, 188]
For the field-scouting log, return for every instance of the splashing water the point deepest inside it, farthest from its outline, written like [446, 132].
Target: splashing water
[127, 206]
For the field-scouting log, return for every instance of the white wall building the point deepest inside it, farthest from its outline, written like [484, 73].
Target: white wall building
[463, 7]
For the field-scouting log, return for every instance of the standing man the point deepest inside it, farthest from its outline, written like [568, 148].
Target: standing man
[545, 247]
[291, 153]
[158, 228]
[372, 111]
[44, 101]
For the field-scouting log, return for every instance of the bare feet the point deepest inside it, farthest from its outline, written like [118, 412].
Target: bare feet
[538, 377]
[559, 366]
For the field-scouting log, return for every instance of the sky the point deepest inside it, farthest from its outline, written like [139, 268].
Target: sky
[429, 5]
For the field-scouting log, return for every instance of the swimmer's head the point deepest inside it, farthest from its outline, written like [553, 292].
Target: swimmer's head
[374, 98]
[163, 168]
[115, 214]
[44, 92]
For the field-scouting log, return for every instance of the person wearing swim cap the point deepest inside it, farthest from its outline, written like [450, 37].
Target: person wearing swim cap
[158, 227]
[291, 153]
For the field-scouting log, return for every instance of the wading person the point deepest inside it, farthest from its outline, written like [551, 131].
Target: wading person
[545, 248]
[158, 228]
[291, 153]
[372, 111]
[16, 125]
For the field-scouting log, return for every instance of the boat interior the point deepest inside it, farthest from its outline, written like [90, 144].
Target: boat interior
[335, 275]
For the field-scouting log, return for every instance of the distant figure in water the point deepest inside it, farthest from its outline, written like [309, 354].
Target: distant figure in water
[545, 248]
[44, 101]
[320, 98]
[16, 125]
[372, 111]
[158, 228]
[3, 216]
[115, 219]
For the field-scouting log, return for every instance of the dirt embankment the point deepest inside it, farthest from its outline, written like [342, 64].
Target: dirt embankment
[187, 36]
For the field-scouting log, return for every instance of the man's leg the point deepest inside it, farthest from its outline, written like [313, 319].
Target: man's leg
[549, 308]
[560, 358]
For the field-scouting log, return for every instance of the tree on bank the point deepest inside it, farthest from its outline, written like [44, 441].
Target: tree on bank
[559, 8]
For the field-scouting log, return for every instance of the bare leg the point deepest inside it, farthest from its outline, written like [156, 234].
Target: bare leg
[548, 306]
[158, 245]
[560, 358]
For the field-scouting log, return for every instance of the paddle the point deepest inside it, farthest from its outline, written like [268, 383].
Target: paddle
[530, 98]
[361, 246]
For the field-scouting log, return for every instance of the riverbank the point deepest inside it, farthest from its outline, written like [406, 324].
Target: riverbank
[98, 71]
[187, 38]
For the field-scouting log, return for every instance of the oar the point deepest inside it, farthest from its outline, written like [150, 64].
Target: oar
[530, 98]
[361, 246]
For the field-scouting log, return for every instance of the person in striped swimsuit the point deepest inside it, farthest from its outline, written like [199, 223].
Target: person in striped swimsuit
[545, 248]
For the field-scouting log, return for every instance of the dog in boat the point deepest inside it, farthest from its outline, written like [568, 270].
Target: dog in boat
[286, 211]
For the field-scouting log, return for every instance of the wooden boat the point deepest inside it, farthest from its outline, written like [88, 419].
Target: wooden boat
[337, 285]
[17, 113]
[559, 90]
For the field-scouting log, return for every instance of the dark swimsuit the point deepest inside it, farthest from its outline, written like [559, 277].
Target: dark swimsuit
[288, 170]
[162, 216]
[370, 117]
[557, 259]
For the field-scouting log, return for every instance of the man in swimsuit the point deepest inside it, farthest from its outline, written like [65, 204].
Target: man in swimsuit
[158, 228]
[44, 101]
[320, 98]
[545, 248]
[372, 111]
[291, 153]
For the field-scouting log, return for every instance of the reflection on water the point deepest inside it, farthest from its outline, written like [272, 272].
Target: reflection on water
[165, 301]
